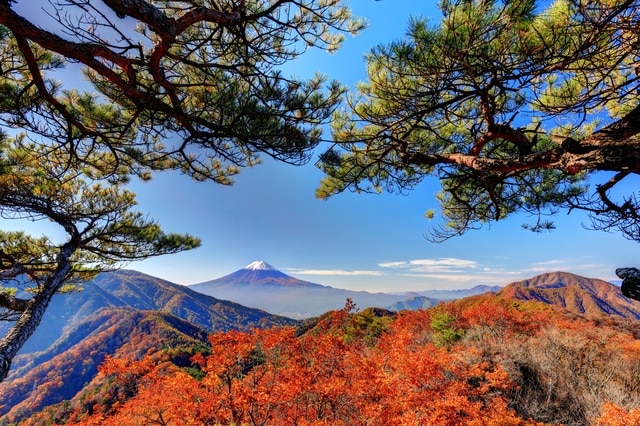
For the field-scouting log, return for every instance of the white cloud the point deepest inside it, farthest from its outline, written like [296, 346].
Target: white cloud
[446, 277]
[457, 272]
[446, 264]
[400, 264]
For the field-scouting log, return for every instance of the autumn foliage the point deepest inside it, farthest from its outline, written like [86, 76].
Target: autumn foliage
[482, 362]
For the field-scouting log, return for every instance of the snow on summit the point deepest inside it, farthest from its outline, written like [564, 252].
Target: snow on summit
[260, 265]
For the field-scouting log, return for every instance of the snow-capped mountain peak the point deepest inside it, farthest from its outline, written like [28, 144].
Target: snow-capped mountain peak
[259, 265]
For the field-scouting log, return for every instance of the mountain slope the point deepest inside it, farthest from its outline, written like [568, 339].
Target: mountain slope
[132, 289]
[259, 274]
[581, 295]
[260, 285]
[66, 367]
[521, 363]
[73, 363]
[140, 291]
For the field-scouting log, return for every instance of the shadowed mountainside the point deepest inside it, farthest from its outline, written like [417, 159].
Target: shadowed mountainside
[132, 289]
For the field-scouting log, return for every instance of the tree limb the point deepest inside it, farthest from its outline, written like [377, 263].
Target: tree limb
[13, 303]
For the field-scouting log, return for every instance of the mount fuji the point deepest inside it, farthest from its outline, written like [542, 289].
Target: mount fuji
[260, 285]
[255, 274]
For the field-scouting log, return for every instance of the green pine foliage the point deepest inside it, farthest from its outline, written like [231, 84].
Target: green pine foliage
[196, 90]
[512, 105]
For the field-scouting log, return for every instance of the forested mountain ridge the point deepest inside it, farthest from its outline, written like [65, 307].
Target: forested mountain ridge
[141, 291]
[585, 296]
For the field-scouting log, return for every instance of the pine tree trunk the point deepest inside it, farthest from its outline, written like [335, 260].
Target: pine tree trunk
[30, 318]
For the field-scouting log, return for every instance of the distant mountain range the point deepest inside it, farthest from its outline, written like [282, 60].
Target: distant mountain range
[460, 293]
[260, 285]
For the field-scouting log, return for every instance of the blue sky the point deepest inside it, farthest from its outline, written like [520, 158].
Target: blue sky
[359, 242]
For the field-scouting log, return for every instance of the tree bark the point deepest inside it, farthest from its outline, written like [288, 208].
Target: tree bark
[13, 303]
[596, 155]
[615, 147]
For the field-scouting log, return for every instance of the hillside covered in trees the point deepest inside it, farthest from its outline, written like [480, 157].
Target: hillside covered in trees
[116, 313]
[482, 360]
